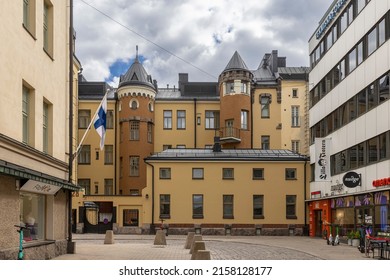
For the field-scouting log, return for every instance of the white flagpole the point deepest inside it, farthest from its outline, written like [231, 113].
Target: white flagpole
[90, 124]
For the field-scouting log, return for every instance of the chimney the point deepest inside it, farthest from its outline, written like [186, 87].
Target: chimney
[217, 145]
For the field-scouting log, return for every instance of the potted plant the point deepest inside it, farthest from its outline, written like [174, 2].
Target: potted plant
[356, 238]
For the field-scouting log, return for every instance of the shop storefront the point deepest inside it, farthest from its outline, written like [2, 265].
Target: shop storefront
[350, 212]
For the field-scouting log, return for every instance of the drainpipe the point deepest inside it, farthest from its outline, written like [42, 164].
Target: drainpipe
[71, 245]
[304, 194]
[252, 101]
[195, 124]
[152, 229]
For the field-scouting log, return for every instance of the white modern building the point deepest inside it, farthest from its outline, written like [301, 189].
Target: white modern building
[350, 117]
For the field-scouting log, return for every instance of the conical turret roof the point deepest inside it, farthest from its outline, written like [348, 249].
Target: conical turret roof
[136, 75]
[236, 63]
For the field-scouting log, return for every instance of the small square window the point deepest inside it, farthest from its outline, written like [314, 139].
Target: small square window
[258, 174]
[197, 173]
[295, 93]
[165, 173]
[291, 173]
[227, 173]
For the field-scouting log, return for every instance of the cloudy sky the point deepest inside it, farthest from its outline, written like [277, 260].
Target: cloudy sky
[190, 36]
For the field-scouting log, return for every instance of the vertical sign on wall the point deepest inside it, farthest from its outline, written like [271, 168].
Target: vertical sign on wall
[322, 163]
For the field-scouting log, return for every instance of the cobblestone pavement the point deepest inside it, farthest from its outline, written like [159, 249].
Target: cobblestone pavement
[140, 247]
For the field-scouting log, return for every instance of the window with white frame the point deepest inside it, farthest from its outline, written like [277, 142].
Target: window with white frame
[212, 119]
[167, 119]
[295, 146]
[244, 119]
[134, 130]
[295, 116]
[265, 102]
[197, 173]
[181, 119]
[134, 166]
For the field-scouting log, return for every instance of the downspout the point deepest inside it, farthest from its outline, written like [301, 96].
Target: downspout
[70, 248]
[152, 230]
[252, 101]
[195, 124]
[304, 195]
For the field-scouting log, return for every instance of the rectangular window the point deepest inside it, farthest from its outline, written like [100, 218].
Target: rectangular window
[110, 119]
[295, 93]
[150, 132]
[167, 119]
[265, 101]
[360, 5]
[361, 102]
[197, 173]
[291, 173]
[371, 41]
[244, 119]
[228, 206]
[29, 16]
[134, 130]
[25, 114]
[381, 33]
[291, 205]
[212, 120]
[45, 127]
[352, 63]
[265, 142]
[295, 116]
[229, 87]
[372, 150]
[181, 119]
[382, 146]
[228, 173]
[108, 154]
[258, 206]
[343, 22]
[48, 27]
[165, 206]
[244, 87]
[134, 166]
[383, 86]
[86, 185]
[372, 96]
[165, 173]
[32, 214]
[130, 217]
[85, 155]
[352, 108]
[84, 118]
[258, 173]
[108, 186]
[359, 50]
[295, 146]
[197, 206]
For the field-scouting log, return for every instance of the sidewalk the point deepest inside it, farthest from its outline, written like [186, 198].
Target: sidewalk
[140, 247]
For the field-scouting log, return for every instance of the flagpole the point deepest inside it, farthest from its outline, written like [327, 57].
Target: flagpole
[90, 124]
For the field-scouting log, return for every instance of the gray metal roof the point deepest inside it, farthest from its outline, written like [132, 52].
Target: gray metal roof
[136, 75]
[227, 154]
[236, 62]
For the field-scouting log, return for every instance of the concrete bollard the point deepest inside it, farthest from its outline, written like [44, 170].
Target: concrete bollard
[160, 239]
[196, 238]
[189, 240]
[198, 245]
[203, 255]
[109, 238]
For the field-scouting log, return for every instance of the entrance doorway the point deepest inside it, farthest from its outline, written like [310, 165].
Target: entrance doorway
[318, 223]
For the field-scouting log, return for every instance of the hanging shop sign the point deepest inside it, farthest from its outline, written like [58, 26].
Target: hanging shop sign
[352, 179]
[322, 149]
[381, 182]
[40, 187]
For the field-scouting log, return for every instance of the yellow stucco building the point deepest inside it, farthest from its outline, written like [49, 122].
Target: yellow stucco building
[255, 115]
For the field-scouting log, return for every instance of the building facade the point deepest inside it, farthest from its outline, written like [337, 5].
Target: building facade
[349, 117]
[35, 183]
[246, 109]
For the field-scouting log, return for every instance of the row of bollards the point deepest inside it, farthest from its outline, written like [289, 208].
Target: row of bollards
[194, 242]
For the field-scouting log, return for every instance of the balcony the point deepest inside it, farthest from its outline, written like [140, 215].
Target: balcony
[229, 135]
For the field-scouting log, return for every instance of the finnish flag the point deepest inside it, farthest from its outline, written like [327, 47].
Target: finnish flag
[100, 121]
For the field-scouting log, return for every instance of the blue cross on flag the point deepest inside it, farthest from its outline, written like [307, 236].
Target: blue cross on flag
[100, 121]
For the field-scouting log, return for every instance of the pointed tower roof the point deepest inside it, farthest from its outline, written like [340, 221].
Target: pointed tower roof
[235, 63]
[136, 75]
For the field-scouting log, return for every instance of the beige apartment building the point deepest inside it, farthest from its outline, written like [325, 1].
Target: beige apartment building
[39, 82]
[258, 112]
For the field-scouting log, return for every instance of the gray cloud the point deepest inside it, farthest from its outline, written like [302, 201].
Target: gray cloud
[203, 33]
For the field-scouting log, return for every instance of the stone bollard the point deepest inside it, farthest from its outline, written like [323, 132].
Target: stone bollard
[203, 255]
[109, 238]
[198, 245]
[189, 240]
[196, 238]
[159, 239]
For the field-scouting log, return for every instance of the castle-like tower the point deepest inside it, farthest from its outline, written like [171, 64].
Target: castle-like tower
[235, 104]
[136, 95]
